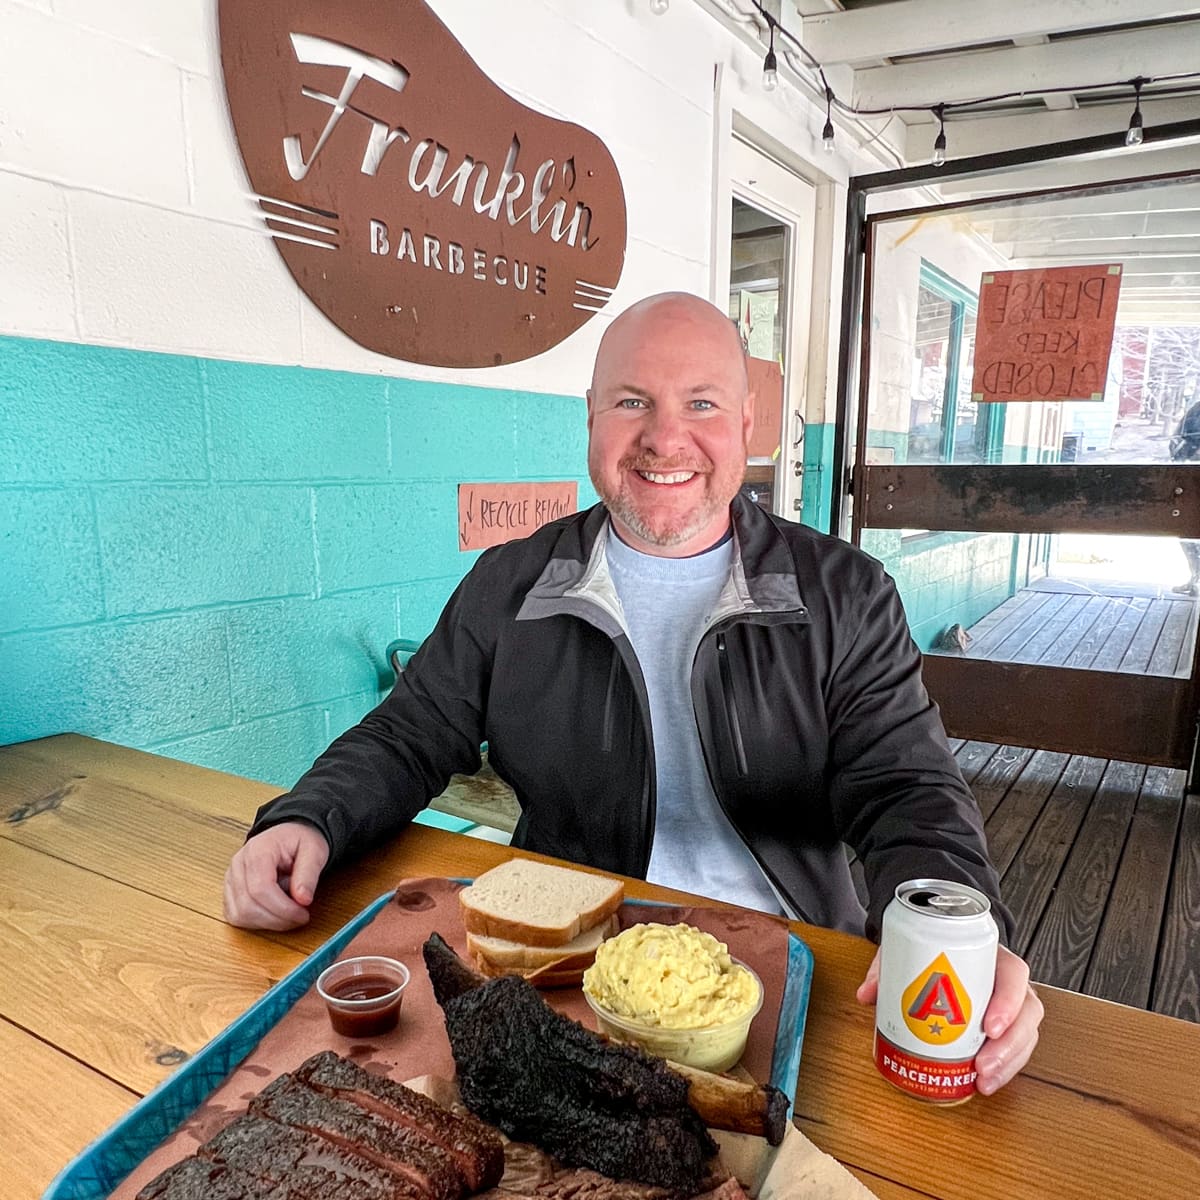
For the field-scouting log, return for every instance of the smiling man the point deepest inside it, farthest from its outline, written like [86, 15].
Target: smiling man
[678, 686]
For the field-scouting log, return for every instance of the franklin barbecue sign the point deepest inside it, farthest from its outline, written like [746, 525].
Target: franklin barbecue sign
[424, 211]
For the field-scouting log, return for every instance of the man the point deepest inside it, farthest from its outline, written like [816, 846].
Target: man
[677, 685]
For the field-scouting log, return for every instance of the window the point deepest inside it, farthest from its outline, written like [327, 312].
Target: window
[945, 423]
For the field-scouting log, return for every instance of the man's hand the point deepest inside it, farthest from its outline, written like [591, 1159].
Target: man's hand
[1010, 1022]
[272, 879]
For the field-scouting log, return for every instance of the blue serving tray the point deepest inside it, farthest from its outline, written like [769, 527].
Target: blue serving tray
[99, 1168]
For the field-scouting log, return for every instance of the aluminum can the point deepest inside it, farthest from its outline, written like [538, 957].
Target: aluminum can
[936, 970]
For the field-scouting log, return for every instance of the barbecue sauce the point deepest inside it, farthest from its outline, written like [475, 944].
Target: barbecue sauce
[371, 1019]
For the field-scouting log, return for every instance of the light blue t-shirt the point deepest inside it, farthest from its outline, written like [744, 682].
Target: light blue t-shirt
[667, 603]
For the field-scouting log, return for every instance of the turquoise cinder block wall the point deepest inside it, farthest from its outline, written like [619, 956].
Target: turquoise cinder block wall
[207, 558]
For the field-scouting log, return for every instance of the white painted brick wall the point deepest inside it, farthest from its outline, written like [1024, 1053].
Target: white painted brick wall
[112, 112]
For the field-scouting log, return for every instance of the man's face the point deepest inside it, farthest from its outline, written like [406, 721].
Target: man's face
[669, 418]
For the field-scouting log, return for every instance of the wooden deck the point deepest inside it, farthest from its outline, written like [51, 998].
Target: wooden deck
[1099, 860]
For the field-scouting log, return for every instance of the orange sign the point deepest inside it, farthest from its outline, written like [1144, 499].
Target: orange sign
[490, 514]
[766, 382]
[1045, 334]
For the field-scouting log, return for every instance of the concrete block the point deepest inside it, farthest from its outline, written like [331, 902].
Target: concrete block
[133, 682]
[171, 548]
[184, 33]
[51, 568]
[289, 653]
[371, 536]
[272, 422]
[444, 431]
[76, 413]
[38, 296]
[275, 750]
[551, 436]
[220, 186]
[163, 280]
[117, 127]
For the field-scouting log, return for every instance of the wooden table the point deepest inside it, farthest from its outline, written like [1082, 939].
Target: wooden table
[117, 966]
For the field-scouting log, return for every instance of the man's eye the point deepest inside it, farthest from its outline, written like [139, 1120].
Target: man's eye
[631, 402]
[702, 405]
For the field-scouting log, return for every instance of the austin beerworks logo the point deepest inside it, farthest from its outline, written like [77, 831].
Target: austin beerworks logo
[936, 1006]
[426, 212]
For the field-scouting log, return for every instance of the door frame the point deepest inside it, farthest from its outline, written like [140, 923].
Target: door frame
[1107, 714]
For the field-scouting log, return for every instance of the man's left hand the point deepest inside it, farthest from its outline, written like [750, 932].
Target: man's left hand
[1010, 1022]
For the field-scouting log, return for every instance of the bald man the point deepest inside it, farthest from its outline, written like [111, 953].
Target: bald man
[678, 686]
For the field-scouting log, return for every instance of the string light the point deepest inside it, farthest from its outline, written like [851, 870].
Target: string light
[827, 132]
[770, 66]
[658, 7]
[1133, 135]
[939, 142]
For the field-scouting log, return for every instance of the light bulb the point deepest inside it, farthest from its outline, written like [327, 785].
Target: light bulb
[827, 137]
[770, 72]
[658, 7]
[939, 149]
[1133, 135]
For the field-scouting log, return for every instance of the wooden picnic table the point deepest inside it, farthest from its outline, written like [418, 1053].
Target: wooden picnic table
[117, 966]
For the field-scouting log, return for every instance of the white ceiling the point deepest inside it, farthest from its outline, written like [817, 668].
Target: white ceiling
[881, 54]
[905, 56]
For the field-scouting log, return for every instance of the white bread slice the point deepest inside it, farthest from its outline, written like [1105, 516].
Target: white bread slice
[540, 977]
[537, 904]
[517, 956]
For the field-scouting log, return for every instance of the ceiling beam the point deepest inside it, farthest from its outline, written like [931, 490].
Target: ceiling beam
[990, 135]
[1101, 59]
[917, 26]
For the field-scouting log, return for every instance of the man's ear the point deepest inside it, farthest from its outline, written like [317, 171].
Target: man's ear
[748, 417]
[591, 409]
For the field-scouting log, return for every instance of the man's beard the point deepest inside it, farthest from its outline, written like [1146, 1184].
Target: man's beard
[669, 532]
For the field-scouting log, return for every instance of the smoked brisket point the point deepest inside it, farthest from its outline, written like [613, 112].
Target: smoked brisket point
[545, 1079]
[198, 1179]
[427, 1166]
[475, 1147]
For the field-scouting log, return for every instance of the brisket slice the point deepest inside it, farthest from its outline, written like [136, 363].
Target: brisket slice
[476, 1147]
[198, 1179]
[432, 1170]
[309, 1165]
[545, 1079]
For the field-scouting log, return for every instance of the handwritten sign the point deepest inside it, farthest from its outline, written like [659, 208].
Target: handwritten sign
[766, 382]
[1045, 334]
[490, 514]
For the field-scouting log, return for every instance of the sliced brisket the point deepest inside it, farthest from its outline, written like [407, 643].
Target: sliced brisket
[432, 1169]
[476, 1147]
[199, 1179]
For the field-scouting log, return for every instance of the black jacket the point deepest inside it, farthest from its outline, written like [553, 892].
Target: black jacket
[814, 723]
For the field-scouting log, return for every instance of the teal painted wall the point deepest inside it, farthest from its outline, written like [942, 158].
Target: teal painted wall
[816, 488]
[207, 558]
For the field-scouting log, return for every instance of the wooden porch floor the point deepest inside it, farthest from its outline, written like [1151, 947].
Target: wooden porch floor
[1099, 860]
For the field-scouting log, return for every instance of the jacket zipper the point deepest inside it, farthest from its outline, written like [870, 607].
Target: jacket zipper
[735, 726]
[609, 703]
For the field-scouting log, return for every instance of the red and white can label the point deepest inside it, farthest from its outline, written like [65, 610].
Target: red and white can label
[938, 1080]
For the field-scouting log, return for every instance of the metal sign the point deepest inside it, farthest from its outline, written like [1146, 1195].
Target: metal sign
[426, 212]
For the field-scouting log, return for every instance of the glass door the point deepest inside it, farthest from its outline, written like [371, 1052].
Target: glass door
[1021, 468]
[769, 297]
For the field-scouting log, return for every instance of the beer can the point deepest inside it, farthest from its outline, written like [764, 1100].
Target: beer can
[936, 970]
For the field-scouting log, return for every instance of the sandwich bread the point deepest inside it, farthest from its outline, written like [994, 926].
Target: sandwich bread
[538, 921]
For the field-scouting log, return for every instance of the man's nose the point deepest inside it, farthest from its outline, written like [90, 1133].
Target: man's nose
[664, 433]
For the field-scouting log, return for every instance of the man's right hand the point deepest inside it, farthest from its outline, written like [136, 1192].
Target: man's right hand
[272, 879]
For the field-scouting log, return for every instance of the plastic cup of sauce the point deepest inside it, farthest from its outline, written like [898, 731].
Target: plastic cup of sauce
[362, 995]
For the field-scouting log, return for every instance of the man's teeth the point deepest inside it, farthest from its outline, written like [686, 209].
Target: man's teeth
[672, 477]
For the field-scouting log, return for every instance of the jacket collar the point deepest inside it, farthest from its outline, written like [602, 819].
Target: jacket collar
[576, 579]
